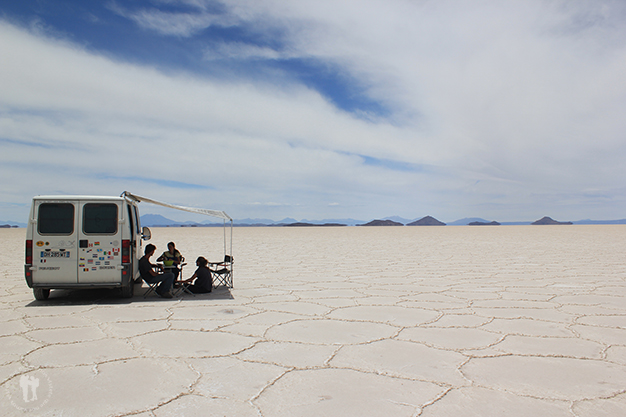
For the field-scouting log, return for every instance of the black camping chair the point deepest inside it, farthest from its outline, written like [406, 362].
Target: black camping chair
[222, 272]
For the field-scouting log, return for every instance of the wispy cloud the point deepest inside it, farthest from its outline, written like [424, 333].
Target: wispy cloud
[158, 181]
[177, 23]
[22, 143]
[507, 108]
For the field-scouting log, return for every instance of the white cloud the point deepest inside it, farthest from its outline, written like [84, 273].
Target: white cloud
[530, 91]
[81, 117]
[516, 108]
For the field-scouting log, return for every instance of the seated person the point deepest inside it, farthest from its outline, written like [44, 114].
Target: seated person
[204, 280]
[146, 269]
[173, 255]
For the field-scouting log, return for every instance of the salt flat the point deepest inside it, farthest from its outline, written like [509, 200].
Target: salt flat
[379, 321]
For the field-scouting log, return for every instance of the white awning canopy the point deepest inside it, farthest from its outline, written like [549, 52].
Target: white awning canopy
[207, 212]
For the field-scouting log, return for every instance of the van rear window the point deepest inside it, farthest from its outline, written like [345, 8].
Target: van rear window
[100, 219]
[55, 219]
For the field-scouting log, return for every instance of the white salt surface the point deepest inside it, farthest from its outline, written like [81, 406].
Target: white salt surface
[379, 321]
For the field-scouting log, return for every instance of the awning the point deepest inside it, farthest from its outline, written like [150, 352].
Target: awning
[207, 212]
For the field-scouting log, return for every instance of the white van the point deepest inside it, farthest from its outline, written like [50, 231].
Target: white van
[83, 242]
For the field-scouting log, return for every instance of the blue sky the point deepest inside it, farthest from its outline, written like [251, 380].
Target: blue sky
[318, 109]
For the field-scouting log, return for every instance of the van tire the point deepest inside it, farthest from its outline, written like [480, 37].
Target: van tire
[41, 293]
[129, 290]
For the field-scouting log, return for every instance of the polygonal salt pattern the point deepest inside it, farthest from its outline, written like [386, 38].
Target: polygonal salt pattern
[548, 378]
[606, 407]
[191, 344]
[345, 392]
[330, 332]
[480, 402]
[366, 321]
[288, 354]
[451, 338]
[403, 359]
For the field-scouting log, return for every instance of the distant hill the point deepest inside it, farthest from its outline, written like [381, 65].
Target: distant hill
[301, 224]
[257, 221]
[346, 221]
[493, 223]
[467, 220]
[548, 221]
[382, 223]
[588, 221]
[427, 221]
[9, 224]
[398, 219]
[156, 220]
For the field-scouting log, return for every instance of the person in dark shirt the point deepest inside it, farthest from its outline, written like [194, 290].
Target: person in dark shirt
[146, 269]
[204, 280]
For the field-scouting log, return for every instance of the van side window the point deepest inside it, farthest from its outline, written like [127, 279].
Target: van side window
[131, 222]
[55, 219]
[137, 219]
[100, 219]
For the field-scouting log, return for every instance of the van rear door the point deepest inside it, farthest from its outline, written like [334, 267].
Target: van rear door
[100, 242]
[55, 242]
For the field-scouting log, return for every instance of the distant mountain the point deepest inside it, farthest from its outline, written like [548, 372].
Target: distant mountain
[467, 220]
[382, 223]
[427, 221]
[9, 224]
[398, 219]
[301, 224]
[588, 221]
[155, 220]
[494, 223]
[256, 221]
[548, 221]
[348, 221]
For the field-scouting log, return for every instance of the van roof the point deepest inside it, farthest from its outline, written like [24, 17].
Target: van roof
[76, 197]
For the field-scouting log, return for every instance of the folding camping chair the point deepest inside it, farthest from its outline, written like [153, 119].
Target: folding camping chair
[183, 285]
[223, 272]
[184, 288]
[152, 286]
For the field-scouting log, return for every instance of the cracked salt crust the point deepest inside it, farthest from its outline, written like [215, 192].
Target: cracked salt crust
[439, 322]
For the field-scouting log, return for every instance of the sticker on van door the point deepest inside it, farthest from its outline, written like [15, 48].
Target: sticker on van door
[55, 254]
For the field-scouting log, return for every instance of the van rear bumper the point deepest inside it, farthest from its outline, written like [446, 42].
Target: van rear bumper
[58, 286]
[126, 277]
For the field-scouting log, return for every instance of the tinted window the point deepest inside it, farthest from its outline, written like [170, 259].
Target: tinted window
[56, 219]
[137, 219]
[130, 221]
[100, 219]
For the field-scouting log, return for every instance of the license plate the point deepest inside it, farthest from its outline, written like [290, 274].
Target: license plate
[55, 254]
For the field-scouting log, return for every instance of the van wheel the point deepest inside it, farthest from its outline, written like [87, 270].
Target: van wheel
[41, 293]
[129, 290]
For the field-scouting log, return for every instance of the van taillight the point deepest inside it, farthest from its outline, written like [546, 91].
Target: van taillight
[125, 251]
[29, 252]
